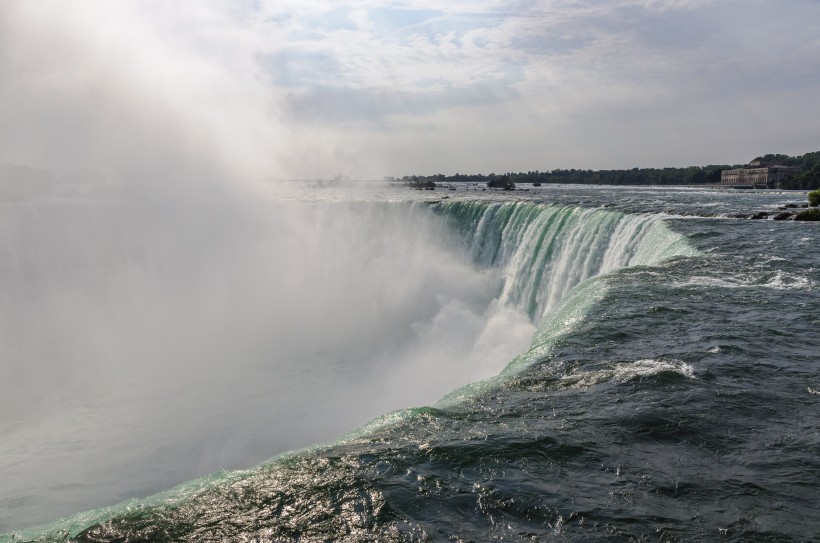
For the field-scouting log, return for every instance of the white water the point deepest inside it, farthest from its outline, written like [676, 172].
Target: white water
[627, 371]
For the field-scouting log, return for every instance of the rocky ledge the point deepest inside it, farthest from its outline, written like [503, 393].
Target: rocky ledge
[788, 212]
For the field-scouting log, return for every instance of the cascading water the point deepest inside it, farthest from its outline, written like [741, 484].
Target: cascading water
[546, 250]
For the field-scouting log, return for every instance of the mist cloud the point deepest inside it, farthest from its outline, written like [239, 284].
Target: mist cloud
[135, 90]
[145, 343]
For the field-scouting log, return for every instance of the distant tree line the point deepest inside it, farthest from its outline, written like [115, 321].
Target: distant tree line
[809, 164]
[808, 178]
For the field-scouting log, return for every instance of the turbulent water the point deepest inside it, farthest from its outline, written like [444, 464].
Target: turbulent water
[599, 364]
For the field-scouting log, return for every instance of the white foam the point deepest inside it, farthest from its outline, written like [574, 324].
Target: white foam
[628, 371]
[787, 281]
[779, 281]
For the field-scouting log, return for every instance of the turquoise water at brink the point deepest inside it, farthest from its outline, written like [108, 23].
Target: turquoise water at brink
[562, 364]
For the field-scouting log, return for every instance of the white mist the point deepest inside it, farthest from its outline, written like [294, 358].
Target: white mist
[149, 342]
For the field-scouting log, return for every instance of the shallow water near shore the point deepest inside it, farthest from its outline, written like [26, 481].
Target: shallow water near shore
[598, 364]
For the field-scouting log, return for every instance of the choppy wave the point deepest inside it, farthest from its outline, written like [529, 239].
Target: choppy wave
[622, 372]
[777, 280]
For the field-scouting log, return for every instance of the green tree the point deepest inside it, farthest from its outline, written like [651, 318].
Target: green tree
[809, 179]
[503, 182]
[697, 176]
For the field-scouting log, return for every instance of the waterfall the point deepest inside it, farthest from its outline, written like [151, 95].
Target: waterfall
[545, 250]
[187, 328]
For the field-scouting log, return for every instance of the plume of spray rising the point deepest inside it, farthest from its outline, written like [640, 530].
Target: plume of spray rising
[137, 90]
[169, 319]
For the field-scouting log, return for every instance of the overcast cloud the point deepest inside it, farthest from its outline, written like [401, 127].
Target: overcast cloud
[311, 88]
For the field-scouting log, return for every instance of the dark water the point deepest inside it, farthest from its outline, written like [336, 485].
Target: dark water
[672, 401]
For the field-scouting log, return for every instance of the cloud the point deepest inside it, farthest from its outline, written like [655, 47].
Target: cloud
[286, 88]
[630, 42]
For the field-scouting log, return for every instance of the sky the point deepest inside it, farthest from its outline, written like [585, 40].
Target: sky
[312, 88]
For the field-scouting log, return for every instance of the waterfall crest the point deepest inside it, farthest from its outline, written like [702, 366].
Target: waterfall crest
[546, 250]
